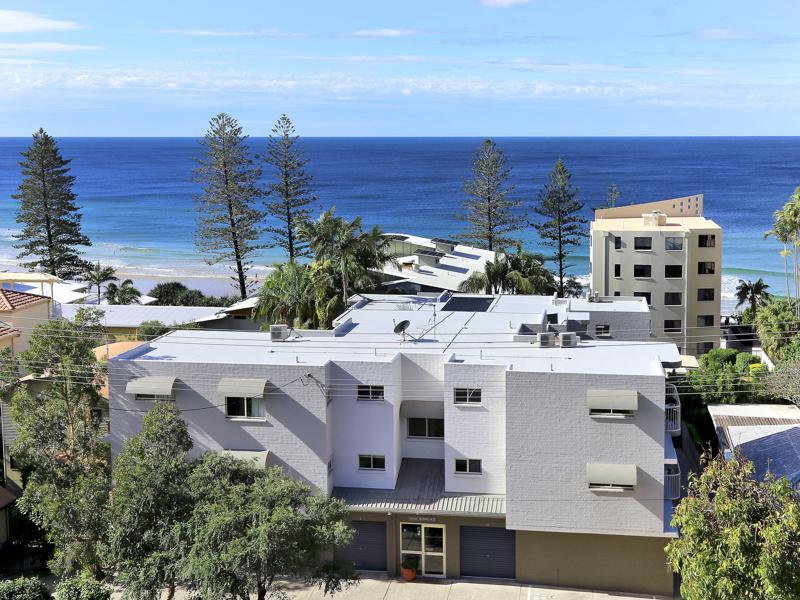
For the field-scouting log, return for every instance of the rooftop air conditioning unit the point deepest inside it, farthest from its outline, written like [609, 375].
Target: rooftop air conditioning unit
[546, 340]
[655, 218]
[569, 339]
[278, 333]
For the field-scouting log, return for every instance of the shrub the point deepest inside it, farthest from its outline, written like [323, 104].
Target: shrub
[744, 360]
[149, 330]
[23, 588]
[82, 587]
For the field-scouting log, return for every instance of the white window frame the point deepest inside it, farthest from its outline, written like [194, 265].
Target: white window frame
[470, 394]
[427, 435]
[366, 392]
[469, 462]
[673, 249]
[643, 237]
[602, 330]
[152, 397]
[614, 413]
[246, 417]
[372, 458]
[673, 276]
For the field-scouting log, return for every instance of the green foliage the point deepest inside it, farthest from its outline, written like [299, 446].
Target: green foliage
[23, 588]
[51, 233]
[489, 208]
[747, 316]
[228, 221]
[777, 325]
[714, 359]
[124, 293]
[174, 293]
[744, 362]
[151, 499]
[612, 195]
[82, 587]
[290, 191]
[561, 227]
[149, 330]
[96, 276]
[740, 538]
[518, 273]
[61, 440]
[752, 293]
[251, 525]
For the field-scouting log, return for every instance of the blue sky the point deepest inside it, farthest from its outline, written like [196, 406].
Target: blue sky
[435, 67]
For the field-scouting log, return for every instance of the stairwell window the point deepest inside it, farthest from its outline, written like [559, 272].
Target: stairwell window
[642, 243]
[370, 393]
[471, 466]
[371, 462]
[467, 396]
[432, 429]
[617, 270]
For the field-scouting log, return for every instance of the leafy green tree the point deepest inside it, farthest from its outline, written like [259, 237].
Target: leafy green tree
[562, 227]
[783, 232]
[300, 295]
[124, 293]
[61, 440]
[740, 538]
[290, 191]
[250, 526]
[168, 293]
[151, 500]
[519, 273]
[152, 329]
[777, 325]
[489, 207]
[784, 382]
[612, 195]
[24, 588]
[96, 276]
[51, 235]
[82, 587]
[228, 220]
[752, 293]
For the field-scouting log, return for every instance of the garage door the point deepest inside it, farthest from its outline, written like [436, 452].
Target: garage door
[368, 550]
[488, 552]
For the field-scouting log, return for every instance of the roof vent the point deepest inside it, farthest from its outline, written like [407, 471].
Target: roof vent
[655, 218]
[546, 340]
[569, 339]
[278, 333]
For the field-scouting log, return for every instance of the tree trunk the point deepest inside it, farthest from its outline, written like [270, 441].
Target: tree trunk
[786, 270]
[171, 591]
[344, 280]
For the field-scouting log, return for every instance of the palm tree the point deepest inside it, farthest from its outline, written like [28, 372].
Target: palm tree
[301, 295]
[124, 293]
[781, 232]
[747, 291]
[519, 273]
[96, 275]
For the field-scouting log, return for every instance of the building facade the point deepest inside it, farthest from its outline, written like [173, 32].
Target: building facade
[473, 436]
[668, 253]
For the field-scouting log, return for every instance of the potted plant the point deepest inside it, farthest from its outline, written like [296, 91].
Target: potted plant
[409, 568]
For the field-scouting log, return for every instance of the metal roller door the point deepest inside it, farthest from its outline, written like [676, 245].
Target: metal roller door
[368, 550]
[488, 552]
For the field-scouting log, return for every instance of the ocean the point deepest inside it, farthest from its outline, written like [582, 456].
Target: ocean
[136, 194]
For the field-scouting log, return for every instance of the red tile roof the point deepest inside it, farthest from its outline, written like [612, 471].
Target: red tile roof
[6, 331]
[10, 299]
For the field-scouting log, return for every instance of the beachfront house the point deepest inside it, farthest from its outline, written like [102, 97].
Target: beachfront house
[519, 437]
[668, 253]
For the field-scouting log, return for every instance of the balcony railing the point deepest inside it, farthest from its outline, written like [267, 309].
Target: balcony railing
[672, 410]
[672, 485]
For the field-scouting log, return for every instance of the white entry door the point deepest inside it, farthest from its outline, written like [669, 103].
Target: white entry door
[423, 546]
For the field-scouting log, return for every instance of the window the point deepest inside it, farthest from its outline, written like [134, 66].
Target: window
[673, 271]
[612, 412]
[468, 465]
[425, 428]
[705, 320]
[617, 270]
[673, 298]
[672, 325]
[370, 392]
[372, 462]
[617, 243]
[673, 243]
[602, 330]
[705, 268]
[617, 293]
[707, 241]
[238, 407]
[645, 295]
[642, 243]
[151, 397]
[642, 270]
[704, 347]
[239, 317]
[466, 395]
[330, 464]
[705, 294]
[611, 487]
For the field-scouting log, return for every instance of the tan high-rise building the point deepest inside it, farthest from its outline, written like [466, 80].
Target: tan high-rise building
[669, 253]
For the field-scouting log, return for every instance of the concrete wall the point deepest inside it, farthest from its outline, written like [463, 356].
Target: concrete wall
[550, 438]
[605, 562]
[476, 431]
[26, 318]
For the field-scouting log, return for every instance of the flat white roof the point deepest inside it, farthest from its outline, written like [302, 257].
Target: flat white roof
[133, 315]
[364, 334]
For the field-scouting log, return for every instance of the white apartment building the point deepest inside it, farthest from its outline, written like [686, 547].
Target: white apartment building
[480, 435]
[668, 253]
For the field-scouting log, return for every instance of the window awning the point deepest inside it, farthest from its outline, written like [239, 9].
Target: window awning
[611, 474]
[612, 399]
[232, 387]
[260, 458]
[422, 409]
[156, 385]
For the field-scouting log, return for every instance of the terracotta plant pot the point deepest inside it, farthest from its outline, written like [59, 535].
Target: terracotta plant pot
[409, 574]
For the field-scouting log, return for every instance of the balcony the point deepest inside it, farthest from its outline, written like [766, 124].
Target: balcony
[672, 410]
[672, 482]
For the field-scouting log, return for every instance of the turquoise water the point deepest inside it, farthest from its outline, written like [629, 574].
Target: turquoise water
[137, 193]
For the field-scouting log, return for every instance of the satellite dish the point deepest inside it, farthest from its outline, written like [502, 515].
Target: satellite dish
[401, 327]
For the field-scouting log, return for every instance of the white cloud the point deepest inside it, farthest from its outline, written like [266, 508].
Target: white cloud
[17, 21]
[503, 3]
[737, 35]
[23, 48]
[384, 33]
[230, 33]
